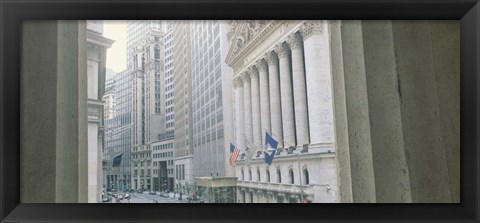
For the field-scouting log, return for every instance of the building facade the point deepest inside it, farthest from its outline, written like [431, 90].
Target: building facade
[276, 92]
[286, 76]
[148, 104]
[118, 134]
[183, 151]
[97, 46]
[210, 97]
[162, 168]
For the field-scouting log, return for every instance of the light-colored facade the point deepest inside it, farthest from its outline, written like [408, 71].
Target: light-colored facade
[148, 104]
[283, 86]
[162, 167]
[97, 46]
[118, 134]
[211, 96]
[183, 151]
[169, 78]
[109, 104]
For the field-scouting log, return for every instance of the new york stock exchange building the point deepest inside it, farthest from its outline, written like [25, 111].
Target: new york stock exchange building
[363, 111]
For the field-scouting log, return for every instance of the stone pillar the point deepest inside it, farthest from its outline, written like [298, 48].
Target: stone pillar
[264, 99]
[319, 81]
[247, 109]
[342, 150]
[424, 143]
[256, 120]
[288, 118]
[358, 121]
[239, 117]
[275, 102]
[392, 182]
[300, 91]
[53, 110]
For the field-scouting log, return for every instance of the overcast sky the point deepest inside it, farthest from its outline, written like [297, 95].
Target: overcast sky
[116, 55]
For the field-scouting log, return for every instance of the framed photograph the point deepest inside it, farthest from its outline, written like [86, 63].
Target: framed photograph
[244, 111]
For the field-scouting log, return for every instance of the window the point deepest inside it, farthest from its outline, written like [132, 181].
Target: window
[258, 175]
[292, 179]
[243, 175]
[249, 175]
[279, 176]
[306, 177]
[268, 175]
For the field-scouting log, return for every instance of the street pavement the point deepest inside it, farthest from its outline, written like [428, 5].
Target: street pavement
[148, 198]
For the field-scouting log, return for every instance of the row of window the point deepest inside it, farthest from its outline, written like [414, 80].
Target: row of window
[163, 155]
[291, 176]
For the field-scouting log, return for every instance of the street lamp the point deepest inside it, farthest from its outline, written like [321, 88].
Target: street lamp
[290, 150]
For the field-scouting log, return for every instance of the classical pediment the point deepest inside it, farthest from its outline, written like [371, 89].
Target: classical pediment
[244, 35]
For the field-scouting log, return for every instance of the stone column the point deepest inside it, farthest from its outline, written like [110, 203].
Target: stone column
[256, 121]
[53, 112]
[392, 182]
[275, 102]
[358, 116]
[288, 118]
[300, 91]
[247, 108]
[319, 81]
[239, 117]
[264, 99]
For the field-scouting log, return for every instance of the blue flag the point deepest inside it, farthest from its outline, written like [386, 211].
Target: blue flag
[270, 148]
[117, 160]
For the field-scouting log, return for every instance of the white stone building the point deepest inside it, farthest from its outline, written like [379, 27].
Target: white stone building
[283, 86]
[97, 46]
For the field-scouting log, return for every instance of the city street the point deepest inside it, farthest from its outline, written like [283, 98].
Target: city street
[148, 198]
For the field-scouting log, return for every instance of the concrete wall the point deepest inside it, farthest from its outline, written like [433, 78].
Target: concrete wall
[52, 102]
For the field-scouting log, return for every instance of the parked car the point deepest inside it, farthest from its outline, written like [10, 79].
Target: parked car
[165, 195]
[105, 198]
[152, 193]
[120, 197]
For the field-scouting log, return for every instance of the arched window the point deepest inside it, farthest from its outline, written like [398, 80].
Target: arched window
[306, 177]
[243, 175]
[258, 175]
[292, 179]
[279, 176]
[250, 175]
[268, 175]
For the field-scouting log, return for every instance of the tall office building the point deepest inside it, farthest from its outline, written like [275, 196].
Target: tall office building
[118, 134]
[183, 151]
[211, 95]
[148, 103]
[169, 78]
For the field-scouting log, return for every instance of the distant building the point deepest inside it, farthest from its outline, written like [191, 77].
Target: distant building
[118, 134]
[148, 112]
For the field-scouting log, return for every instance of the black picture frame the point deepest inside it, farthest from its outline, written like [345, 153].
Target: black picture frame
[14, 12]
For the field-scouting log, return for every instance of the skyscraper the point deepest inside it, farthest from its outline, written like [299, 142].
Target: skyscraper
[183, 151]
[211, 95]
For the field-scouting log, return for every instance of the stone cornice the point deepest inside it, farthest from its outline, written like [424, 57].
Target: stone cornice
[99, 40]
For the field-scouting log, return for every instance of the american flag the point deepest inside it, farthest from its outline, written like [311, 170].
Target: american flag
[234, 151]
